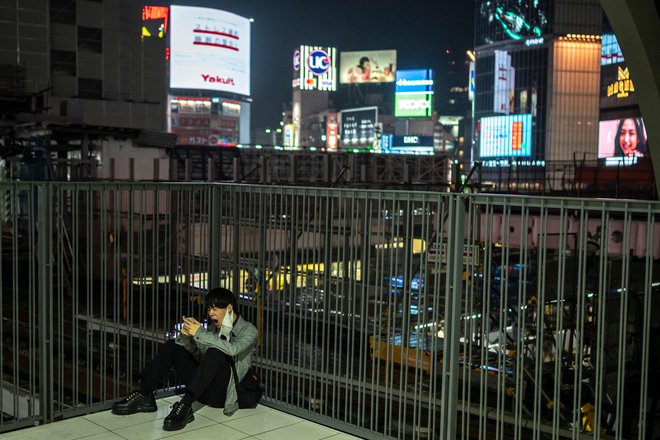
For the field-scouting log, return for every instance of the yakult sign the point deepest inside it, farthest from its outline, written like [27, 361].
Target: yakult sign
[315, 68]
[209, 49]
[413, 96]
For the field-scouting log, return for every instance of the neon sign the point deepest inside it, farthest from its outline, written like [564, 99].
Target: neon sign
[623, 86]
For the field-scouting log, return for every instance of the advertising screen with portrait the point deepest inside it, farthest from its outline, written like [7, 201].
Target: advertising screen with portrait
[505, 136]
[374, 66]
[209, 50]
[622, 137]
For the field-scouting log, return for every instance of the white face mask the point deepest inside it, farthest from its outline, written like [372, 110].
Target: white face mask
[227, 325]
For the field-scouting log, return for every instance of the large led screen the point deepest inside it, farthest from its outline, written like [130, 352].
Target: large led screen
[499, 20]
[622, 137]
[505, 136]
[374, 66]
[413, 105]
[414, 81]
[358, 126]
[413, 97]
[210, 50]
[315, 68]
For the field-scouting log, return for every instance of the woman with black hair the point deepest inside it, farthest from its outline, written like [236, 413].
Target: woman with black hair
[202, 359]
[630, 139]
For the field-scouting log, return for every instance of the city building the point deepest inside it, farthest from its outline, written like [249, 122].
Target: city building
[537, 84]
[83, 61]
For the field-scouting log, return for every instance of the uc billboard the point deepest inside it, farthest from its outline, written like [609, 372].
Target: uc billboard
[413, 97]
[315, 68]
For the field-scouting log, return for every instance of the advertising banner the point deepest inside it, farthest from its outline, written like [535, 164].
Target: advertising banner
[315, 68]
[413, 105]
[204, 121]
[155, 21]
[413, 96]
[288, 136]
[414, 81]
[616, 87]
[622, 137]
[209, 50]
[358, 126]
[331, 131]
[410, 145]
[502, 82]
[373, 66]
[471, 81]
[505, 136]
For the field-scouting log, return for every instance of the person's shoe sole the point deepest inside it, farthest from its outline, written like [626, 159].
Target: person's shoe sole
[135, 410]
[175, 427]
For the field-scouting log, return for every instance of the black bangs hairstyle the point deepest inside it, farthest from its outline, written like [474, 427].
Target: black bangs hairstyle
[221, 298]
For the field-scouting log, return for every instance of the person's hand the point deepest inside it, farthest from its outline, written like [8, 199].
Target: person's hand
[190, 326]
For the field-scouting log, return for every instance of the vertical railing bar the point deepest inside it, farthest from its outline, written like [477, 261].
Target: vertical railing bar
[646, 329]
[45, 302]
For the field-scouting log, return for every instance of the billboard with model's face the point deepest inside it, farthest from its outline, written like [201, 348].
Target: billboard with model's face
[505, 136]
[622, 137]
[373, 66]
[210, 50]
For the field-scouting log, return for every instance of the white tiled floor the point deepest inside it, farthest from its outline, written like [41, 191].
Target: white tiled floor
[261, 423]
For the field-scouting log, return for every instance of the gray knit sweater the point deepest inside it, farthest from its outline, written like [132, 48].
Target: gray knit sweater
[243, 339]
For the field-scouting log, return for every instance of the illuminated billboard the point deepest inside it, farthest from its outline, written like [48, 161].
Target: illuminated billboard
[616, 87]
[413, 96]
[331, 131]
[504, 83]
[358, 126]
[155, 21]
[204, 121]
[410, 145]
[374, 66]
[505, 136]
[622, 137]
[413, 105]
[510, 20]
[315, 68]
[414, 81]
[209, 50]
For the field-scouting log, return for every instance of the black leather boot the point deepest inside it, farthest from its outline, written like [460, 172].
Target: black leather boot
[179, 417]
[134, 403]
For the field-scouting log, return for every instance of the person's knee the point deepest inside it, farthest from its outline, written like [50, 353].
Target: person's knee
[171, 344]
[214, 356]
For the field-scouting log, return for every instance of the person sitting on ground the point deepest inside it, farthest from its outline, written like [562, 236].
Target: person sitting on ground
[201, 357]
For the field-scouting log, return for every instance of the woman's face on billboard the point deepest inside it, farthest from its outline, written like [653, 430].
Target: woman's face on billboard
[628, 138]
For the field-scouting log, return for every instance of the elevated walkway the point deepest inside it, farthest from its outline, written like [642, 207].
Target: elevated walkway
[261, 423]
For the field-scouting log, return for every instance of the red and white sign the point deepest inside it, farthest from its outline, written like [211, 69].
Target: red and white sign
[331, 132]
[210, 50]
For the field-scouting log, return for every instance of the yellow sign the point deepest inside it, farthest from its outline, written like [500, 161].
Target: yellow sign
[623, 86]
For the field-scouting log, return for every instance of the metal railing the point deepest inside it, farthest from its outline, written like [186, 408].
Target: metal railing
[382, 313]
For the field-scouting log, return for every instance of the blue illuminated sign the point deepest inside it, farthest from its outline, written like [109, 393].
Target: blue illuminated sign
[534, 41]
[318, 62]
[414, 81]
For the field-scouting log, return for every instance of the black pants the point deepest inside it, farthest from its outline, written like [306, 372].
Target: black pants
[207, 380]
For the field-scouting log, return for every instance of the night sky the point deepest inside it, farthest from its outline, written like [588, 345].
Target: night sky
[419, 30]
